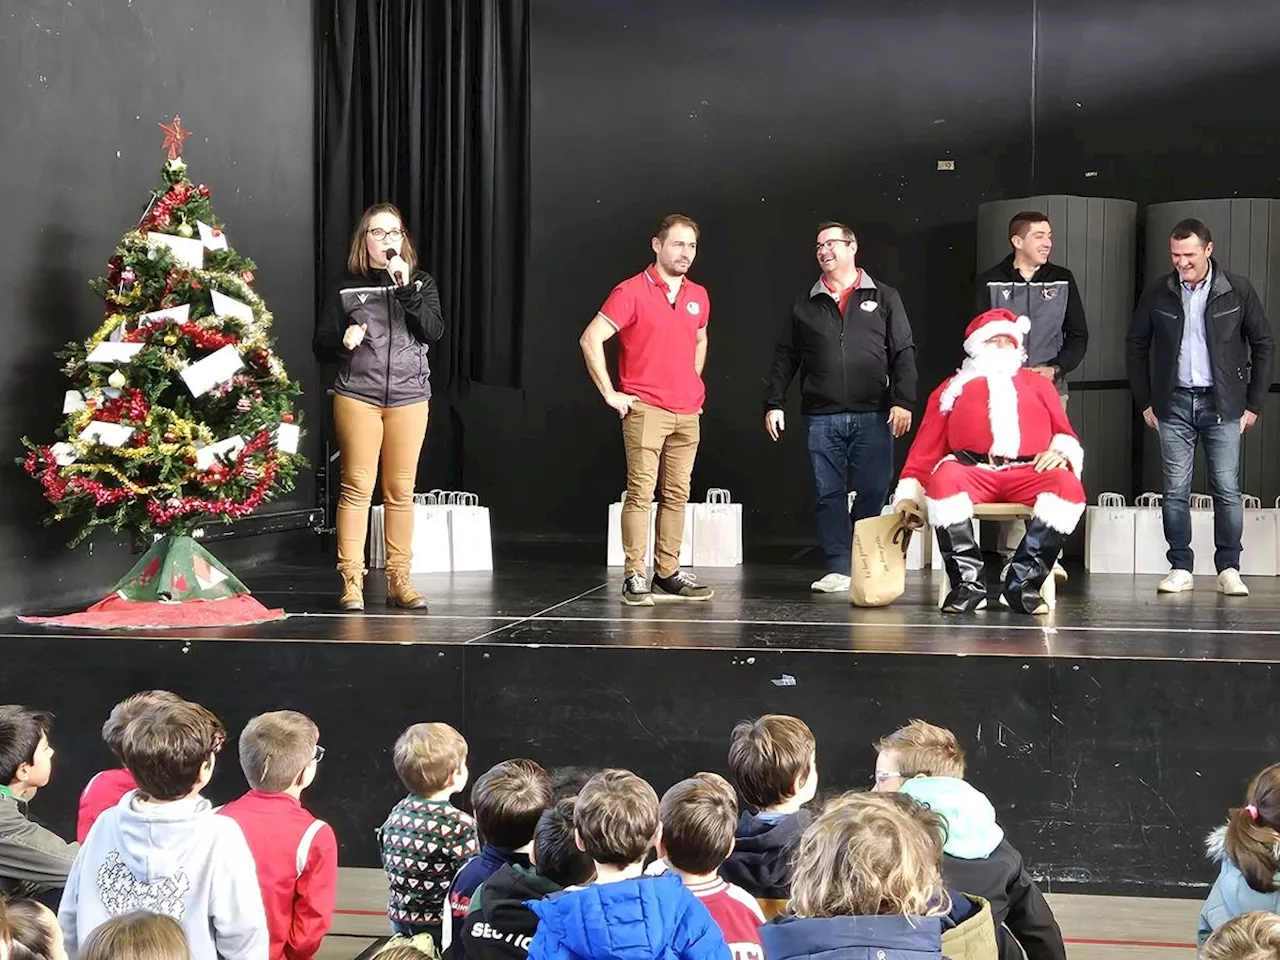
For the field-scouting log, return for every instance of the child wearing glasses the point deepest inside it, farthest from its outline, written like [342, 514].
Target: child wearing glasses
[927, 763]
[296, 854]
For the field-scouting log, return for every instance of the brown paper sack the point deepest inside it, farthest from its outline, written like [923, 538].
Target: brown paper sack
[879, 573]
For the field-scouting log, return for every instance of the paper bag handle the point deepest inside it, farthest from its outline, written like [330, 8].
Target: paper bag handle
[429, 499]
[1110, 500]
[1149, 500]
[1250, 503]
[1201, 501]
[718, 495]
[468, 499]
[902, 537]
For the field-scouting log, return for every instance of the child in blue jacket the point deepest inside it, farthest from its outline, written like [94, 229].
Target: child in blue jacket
[623, 915]
[1248, 848]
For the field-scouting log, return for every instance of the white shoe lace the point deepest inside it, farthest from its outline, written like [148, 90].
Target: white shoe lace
[637, 584]
[684, 578]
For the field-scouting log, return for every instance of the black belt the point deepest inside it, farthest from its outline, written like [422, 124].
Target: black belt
[972, 458]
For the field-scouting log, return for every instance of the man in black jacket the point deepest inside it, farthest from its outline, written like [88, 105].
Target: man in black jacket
[1200, 364]
[1047, 295]
[850, 341]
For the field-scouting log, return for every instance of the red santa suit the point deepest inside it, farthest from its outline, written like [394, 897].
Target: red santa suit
[979, 434]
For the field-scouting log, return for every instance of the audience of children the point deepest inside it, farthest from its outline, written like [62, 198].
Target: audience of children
[552, 868]
[163, 849]
[500, 925]
[622, 912]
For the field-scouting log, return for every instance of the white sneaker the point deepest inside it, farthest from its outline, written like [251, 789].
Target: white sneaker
[831, 583]
[1178, 581]
[1230, 584]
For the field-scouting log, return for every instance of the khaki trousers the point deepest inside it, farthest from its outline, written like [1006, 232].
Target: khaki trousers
[1012, 532]
[368, 435]
[660, 447]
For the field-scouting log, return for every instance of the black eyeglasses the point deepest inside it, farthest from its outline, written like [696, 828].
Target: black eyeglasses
[379, 234]
[319, 753]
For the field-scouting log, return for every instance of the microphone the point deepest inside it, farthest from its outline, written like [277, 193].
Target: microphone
[398, 276]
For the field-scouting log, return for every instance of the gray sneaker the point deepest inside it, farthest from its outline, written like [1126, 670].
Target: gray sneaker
[683, 585]
[636, 592]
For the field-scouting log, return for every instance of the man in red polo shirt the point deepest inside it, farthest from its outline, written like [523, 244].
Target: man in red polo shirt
[660, 318]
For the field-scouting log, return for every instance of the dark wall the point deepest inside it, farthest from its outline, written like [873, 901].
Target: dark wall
[761, 119]
[85, 86]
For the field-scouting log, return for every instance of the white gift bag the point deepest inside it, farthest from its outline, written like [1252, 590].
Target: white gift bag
[1202, 535]
[1258, 557]
[432, 552]
[1149, 547]
[1109, 535]
[470, 535]
[617, 557]
[717, 531]
[919, 548]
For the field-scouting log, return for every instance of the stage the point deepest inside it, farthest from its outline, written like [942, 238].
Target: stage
[1111, 735]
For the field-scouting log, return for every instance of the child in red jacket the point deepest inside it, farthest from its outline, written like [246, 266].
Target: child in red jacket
[296, 854]
[104, 789]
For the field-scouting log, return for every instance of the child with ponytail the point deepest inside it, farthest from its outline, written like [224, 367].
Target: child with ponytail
[1248, 848]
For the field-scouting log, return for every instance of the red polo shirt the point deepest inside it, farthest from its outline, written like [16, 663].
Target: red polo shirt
[842, 296]
[657, 340]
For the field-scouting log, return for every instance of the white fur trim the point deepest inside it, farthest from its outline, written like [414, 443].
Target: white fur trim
[908, 488]
[954, 388]
[1070, 448]
[1215, 845]
[1002, 401]
[950, 510]
[1017, 330]
[1062, 515]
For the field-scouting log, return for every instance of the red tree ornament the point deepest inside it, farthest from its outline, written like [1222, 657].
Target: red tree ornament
[173, 136]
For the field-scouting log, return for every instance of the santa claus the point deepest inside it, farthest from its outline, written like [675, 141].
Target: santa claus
[994, 432]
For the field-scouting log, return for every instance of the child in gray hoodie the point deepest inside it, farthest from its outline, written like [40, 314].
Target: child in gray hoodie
[163, 850]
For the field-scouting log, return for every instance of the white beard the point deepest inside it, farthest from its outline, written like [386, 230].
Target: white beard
[994, 362]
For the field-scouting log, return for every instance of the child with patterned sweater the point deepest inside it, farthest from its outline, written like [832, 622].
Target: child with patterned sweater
[425, 839]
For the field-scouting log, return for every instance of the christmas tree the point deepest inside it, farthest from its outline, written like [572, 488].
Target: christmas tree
[179, 412]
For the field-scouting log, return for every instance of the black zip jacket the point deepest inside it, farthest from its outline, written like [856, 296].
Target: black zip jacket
[499, 925]
[863, 361]
[389, 368]
[1241, 350]
[1019, 909]
[1059, 332]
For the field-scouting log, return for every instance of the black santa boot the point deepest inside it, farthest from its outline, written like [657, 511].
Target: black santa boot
[962, 559]
[1031, 565]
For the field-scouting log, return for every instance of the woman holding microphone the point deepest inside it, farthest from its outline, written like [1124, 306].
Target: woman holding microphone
[378, 327]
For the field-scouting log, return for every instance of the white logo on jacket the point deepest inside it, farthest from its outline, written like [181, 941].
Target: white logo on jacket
[121, 893]
[866, 306]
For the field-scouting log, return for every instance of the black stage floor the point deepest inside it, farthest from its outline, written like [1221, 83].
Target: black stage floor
[759, 607]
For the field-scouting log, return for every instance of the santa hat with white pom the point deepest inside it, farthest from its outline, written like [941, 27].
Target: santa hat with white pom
[994, 323]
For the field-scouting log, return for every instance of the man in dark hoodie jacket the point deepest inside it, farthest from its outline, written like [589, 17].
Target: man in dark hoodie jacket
[1048, 295]
[774, 763]
[499, 926]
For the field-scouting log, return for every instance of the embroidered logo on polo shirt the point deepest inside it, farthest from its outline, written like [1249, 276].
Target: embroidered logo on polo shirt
[1006, 294]
[694, 307]
[866, 306]
[1050, 292]
[362, 297]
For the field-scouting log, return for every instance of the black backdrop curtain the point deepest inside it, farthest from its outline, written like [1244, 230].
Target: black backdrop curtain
[425, 103]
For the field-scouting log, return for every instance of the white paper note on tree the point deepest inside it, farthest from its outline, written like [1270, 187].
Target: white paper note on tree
[111, 351]
[224, 306]
[287, 435]
[211, 237]
[107, 434]
[223, 449]
[176, 314]
[187, 251]
[219, 367]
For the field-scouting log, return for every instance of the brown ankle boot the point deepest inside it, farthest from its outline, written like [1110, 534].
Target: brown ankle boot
[400, 591]
[352, 590]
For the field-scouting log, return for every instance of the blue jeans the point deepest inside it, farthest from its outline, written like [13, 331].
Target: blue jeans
[1192, 415]
[849, 451]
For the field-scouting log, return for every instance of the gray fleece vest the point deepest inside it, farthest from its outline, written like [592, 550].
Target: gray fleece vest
[1045, 304]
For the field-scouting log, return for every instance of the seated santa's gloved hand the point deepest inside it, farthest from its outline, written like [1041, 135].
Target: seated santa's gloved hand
[912, 514]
